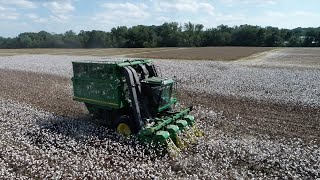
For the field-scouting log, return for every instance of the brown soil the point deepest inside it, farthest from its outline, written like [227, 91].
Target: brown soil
[53, 94]
[205, 53]
[81, 52]
[46, 92]
[249, 117]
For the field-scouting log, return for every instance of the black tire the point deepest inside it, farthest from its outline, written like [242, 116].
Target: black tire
[123, 120]
[94, 111]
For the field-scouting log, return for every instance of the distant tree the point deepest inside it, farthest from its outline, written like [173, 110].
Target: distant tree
[71, 40]
[11, 43]
[141, 36]
[318, 37]
[245, 35]
[2, 41]
[273, 38]
[189, 30]
[225, 33]
[119, 36]
[310, 37]
[294, 42]
[84, 37]
[215, 37]
[169, 35]
[298, 31]
[98, 39]
[197, 38]
[286, 34]
[192, 34]
[261, 37]
[25, 41]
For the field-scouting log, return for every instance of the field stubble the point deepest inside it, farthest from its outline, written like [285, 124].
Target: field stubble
[246, 135]
[204, 53]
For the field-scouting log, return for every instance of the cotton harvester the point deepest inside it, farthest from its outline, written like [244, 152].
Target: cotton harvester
[132, 99]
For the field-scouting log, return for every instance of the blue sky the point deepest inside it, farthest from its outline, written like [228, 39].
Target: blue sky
[58, 16]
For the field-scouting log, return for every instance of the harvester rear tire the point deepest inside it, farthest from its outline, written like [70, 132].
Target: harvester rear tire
[123, 126]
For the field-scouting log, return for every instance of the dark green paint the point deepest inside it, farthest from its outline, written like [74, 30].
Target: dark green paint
[101, 85]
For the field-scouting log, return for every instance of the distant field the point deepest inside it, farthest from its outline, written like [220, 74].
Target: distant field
[205, 53]
[82, 52]
[286, 57]
[260, 115]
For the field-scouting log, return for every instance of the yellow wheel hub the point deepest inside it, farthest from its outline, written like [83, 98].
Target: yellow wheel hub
[124, 129]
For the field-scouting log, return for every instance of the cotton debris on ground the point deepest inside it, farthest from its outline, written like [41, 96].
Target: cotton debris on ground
[38, 144]
[284, 85]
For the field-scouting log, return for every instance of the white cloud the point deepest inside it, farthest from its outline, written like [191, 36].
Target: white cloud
[36, 18]
[162, 19]
[32, 16]
[125, 6]
[122, 13]
[259, 2]
[185, 6]
[291, 19]
[41, 20]
[9, 16]
[304, 14]
[252, 2]
[60, 6]
[60, 10]
[206, 7]
[228, 18]
[19, 3]
[60, 17]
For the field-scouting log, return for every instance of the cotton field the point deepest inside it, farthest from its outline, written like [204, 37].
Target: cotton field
[260, 119]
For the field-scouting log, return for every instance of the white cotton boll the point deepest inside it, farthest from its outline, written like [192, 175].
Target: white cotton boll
[38, 144]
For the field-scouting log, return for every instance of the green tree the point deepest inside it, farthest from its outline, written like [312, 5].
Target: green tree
[216, 37]
[99, 39]
[119, 36]
[192, 34]
[273, 38]
[169, 35]
[310, 37]
[294, 42]
[141, 36]
[84, 37]
[2, 41]
[318, 37]
[245, 35]
[25, 41]
[261, 37]
[71, 40]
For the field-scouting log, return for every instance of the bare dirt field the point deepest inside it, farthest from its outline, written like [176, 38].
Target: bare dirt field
[261, 121]
[205, 53]
[82, 52]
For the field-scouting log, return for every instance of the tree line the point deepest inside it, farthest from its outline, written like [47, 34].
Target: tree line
[169, 35]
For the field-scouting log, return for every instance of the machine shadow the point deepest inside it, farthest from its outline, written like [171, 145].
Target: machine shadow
[59, 131]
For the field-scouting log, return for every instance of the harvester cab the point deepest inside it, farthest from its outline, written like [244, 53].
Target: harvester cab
[130, 97]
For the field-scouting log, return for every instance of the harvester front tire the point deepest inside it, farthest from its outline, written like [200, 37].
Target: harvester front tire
[123, 126]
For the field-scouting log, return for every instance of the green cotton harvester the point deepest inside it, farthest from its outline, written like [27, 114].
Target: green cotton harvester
[131, 98]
